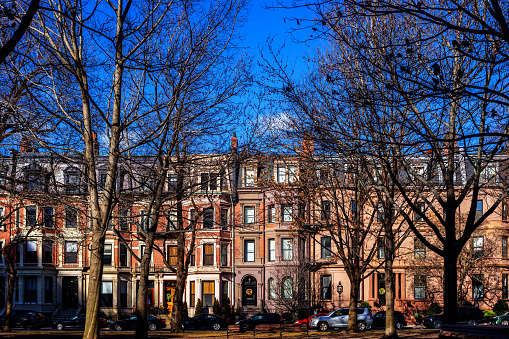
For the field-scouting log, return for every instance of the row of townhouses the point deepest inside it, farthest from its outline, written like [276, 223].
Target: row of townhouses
[248, 249]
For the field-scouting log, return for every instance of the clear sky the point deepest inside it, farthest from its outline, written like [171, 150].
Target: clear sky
[278, 24]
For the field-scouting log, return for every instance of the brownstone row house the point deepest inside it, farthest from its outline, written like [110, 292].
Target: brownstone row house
[248, 248]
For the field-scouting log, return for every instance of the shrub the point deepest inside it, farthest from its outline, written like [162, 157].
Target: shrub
[199, 307]
[216, 309]
[227, 309]
[433, 308]
[365, 304]
[489, 313]
[467, 303]
[185, 311]
[500, 307]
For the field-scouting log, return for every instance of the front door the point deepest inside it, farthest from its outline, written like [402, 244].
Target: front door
[70, 292]
[249, 291]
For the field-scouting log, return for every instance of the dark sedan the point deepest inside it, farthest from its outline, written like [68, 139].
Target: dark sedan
[265, 318]
[204, 322]
[26, 319]
[379, 319]
[76, 322]
[130, 323]
[466, 315]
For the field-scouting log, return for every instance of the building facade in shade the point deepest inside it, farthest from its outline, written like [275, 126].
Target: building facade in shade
[256, 241]
[46, 230]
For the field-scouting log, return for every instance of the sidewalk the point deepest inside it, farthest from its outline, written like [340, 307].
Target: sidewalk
[409, 334]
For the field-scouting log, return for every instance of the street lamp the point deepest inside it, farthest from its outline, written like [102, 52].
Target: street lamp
[340, 290]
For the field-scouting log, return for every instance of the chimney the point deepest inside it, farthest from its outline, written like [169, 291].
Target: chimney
[95, 143]
[235, 142]
[25, 145]
[308, 145]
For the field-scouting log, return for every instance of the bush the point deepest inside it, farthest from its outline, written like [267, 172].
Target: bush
[185, 311]
[489, 313]
[216, 309]
[500, 307]
[227, 309]
[467, 303]
[365, 304]
[434, 308]
[199, 307]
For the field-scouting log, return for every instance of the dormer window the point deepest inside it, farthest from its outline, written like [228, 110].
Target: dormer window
[72, 180]
[35, 178]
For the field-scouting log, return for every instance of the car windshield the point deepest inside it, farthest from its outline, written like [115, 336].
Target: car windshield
[133, 318]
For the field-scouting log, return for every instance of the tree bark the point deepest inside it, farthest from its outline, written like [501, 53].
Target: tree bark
[390, 325]
[10, 294]
[450, 287]
[352, 305]
[96, 249]
[141, 305]
[176, 320]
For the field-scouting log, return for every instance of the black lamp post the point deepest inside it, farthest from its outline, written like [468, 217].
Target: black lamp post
[340, 290]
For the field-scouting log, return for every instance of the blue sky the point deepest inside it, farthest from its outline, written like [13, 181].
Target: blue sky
[264, 24]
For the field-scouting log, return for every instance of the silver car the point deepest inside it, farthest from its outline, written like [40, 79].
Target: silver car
[339, 318]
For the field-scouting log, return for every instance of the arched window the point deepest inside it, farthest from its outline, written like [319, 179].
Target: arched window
[287, 288]
[272, 289]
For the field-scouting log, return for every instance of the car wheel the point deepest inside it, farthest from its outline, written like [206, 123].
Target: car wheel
[152, 327]
[323, 326]
[399, 325]
[118, 327]
[437, 324]
[361, 325]
[473, 322]
[60, 327]
[504, 322]
[29, 326]
[216, 327]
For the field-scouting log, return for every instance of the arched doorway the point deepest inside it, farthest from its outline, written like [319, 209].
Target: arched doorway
[249, 290]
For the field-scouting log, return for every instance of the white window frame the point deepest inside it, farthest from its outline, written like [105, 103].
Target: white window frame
[249, 215]
[272, 249]
[287, 249]
[249, 177]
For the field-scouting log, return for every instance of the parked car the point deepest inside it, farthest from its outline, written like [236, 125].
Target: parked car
[204, 321]
[76, 322]
[379, 319]
[264, 318]
[130, 323]
[26, 319]
[339, 318]
[501, 319]
[466, 315]
[308, 320]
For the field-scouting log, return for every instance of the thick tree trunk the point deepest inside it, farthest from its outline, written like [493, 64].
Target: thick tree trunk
[10, 296]
[450, 287]
[96, 249]
[141, 306]
[354, 299]
[176, 320]
[390, 325]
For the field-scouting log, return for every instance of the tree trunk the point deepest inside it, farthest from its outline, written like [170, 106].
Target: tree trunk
[96, 249]
[450, 287]
[390, 250]
[176, 320]
[141, 305]
[10, 296]
[354, 298]
[390, 325]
